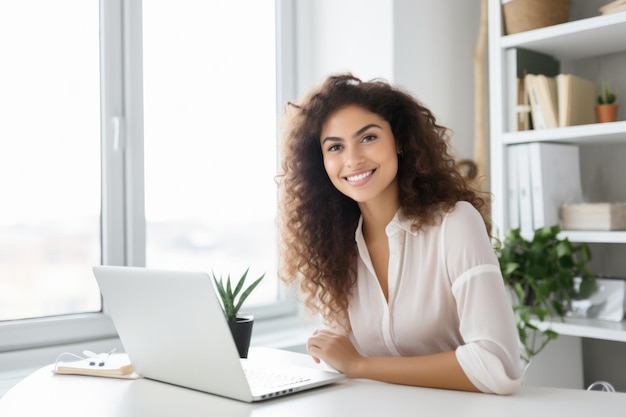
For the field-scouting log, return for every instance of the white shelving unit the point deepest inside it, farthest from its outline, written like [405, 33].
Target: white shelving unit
[599, 133]
[589, 37]
[584, 38]
[593, 329]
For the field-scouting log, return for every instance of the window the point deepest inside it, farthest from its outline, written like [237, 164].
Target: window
[49, 158]
[101, 107]
[210, 137]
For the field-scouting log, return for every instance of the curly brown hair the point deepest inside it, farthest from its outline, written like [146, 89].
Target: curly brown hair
[318, 222]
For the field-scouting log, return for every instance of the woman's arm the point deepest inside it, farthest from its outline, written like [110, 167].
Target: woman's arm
[441, 370]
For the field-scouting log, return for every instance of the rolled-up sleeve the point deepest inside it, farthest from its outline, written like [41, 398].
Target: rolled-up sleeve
[490, 354]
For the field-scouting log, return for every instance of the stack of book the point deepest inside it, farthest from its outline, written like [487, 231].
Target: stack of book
[594, 216]
[545, 97]
[521, 62]
[560, 101]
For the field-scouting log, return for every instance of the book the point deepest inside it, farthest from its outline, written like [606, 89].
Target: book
[536, 113]
[554, 170]
[520, 62]
[543, 100]
[523, 107]
[518, 161]
[115, 366]
[533, 62]
[593, 216]
[576, 100]
[513, 186]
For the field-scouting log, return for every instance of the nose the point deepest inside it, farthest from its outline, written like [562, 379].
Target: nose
[353, 156]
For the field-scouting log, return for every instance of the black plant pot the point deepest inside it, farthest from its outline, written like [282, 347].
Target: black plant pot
[242, 331]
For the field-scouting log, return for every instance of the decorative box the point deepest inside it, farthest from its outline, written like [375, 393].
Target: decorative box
[607, 303]
[593, 216]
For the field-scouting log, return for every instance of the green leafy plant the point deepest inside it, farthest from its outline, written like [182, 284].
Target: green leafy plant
[230, 303]
[606, 96]
[545, 274]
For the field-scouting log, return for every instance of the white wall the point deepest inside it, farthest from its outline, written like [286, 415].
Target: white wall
[425, 46]
[343, 35]
[433, 48]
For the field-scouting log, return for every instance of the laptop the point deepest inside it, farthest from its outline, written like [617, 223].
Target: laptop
[173, 329]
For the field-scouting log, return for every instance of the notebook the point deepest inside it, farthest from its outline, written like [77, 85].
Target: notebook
[172, 328]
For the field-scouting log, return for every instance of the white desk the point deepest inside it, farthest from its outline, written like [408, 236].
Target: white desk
[44, 394]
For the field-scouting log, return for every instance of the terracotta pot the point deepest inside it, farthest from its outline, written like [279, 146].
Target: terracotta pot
[606, 113]
[242, 332]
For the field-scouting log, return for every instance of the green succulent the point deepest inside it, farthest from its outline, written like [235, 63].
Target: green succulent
[230, 303]
[606, 96]
[543, 273]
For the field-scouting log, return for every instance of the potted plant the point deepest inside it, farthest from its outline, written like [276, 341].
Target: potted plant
[606, 110]
[240, 325]
[543, 274]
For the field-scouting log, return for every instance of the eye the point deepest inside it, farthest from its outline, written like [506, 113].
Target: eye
[334, 148]
[368, 138]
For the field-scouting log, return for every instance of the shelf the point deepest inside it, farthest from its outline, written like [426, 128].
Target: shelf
[585, 38]
[597, 133]
[593, 47]
[593, 329]
[592, 236]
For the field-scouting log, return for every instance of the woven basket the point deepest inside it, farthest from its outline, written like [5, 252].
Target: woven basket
[523, 15]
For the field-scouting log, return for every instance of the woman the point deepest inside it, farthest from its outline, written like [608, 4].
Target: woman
[390, 244]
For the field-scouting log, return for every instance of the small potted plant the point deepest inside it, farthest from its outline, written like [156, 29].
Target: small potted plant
[240, 325]
[606, 110]
[543, 274]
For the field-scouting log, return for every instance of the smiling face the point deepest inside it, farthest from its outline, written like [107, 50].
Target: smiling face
[360, 155]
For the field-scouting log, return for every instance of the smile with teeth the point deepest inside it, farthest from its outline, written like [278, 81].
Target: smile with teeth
[359, 177]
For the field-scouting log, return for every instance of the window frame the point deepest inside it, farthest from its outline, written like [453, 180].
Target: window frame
[123, 219]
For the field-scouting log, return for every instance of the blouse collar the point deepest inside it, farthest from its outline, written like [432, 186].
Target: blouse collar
[399, 222]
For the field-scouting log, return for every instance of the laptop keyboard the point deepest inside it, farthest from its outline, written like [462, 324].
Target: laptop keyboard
[268, 379]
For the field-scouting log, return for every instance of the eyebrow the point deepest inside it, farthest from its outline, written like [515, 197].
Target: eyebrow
[357, 133]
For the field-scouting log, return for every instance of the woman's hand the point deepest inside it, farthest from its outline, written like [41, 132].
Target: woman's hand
[439, 370]
[336, 350]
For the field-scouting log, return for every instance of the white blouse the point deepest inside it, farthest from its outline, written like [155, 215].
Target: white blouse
[446, 293]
